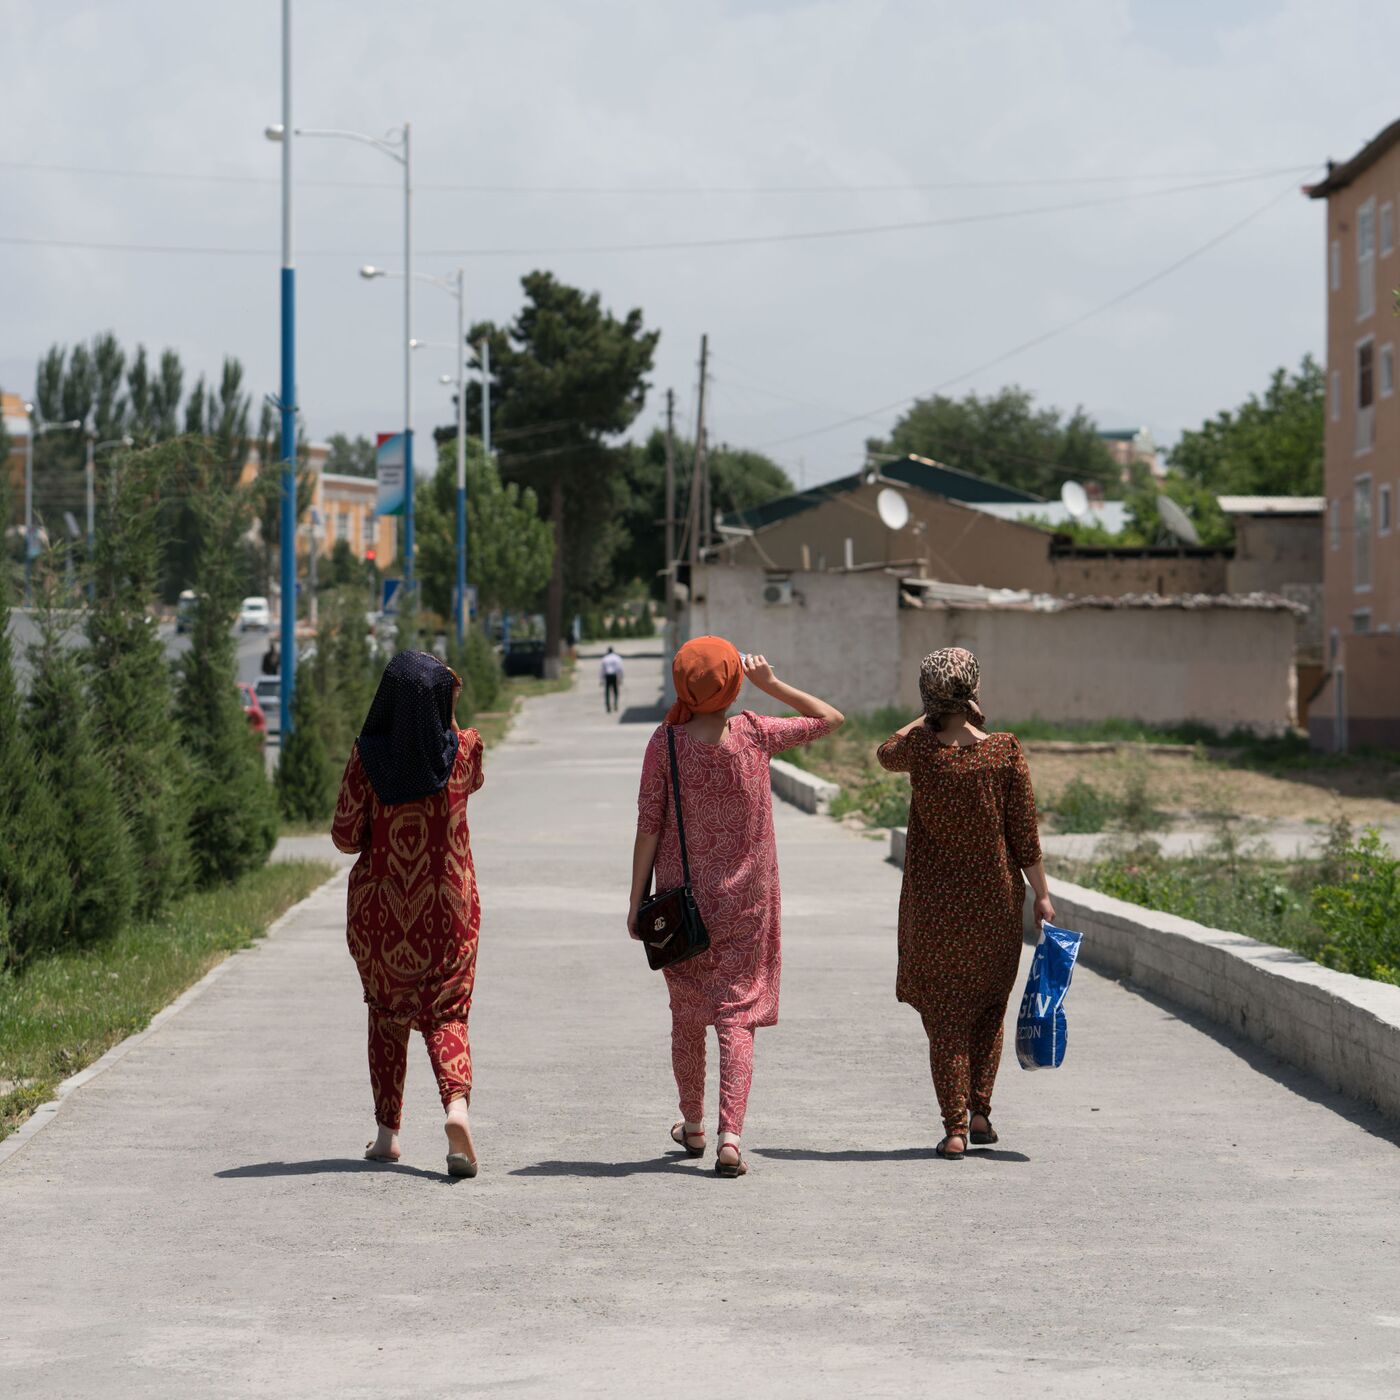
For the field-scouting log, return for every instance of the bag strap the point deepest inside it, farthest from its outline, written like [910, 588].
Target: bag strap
[680, 818]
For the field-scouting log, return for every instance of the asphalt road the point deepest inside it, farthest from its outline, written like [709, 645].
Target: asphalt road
[1171, 1214]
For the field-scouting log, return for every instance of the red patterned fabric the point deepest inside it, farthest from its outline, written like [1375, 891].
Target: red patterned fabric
[728, 806]
[735, 1072]
[413, 919]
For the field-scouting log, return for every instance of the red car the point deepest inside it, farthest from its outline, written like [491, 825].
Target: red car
[257, 716]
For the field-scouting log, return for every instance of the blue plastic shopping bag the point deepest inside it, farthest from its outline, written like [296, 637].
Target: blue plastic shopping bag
[1040, 1026]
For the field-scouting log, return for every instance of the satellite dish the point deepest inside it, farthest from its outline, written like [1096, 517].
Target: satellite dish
[1075, 500]
[1176, 520]
[893, 509]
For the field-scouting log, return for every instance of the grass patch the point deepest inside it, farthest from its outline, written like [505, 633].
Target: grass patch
[61, 1013]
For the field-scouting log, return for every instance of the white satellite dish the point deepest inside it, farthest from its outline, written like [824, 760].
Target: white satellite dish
[893, 509]
[1176, 520]
[1075, 500]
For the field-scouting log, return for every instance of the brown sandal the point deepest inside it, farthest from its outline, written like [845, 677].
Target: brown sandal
[738, 1167]
[681, 1138]
[983, 1139]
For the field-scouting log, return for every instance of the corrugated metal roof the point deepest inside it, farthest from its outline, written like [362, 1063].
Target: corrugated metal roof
[1272, 505]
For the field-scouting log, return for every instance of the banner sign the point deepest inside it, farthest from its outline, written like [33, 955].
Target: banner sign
[388, 461]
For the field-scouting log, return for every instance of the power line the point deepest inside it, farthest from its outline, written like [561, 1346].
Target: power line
[1054, 331]
[734, 241]
[449, 187]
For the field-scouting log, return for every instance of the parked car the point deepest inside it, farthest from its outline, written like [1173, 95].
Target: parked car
[523, 658]
[255, 614]
[252, 707]
[268, 694]
[184, 610]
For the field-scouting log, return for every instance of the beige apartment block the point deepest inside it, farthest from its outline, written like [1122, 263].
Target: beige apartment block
[1358, 703]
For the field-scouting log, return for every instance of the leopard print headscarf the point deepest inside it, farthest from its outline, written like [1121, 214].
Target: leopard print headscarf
[948, 683]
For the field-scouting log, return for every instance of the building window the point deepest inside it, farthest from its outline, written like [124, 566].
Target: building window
[1383, 521]
[1387, 370]
[1334, 532]
[1387, 229]
[342, 526]
[1361, 622]
[1361, 528]
[1365, 395]
[1336, 396]
[1335, 261]
[1366, 260]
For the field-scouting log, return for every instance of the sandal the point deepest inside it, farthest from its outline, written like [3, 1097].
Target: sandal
[372, 1156]
[738, 1167]
[984, 1139]
[459, 1164]
[943, 1151]
[682, 1139]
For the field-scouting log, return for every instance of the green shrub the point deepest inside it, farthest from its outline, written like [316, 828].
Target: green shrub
[480, 669]
[1081, 807]
[306, 778]
[645, 625]
[1359, 915]
[1137, 812]
[882, 799]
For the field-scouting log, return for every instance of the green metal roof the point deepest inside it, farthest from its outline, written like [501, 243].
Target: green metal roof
[918, 472]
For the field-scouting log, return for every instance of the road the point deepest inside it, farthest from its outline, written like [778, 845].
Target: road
[1171, 1214]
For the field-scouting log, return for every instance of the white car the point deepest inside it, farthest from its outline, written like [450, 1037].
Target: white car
[255, 613]
[269, 693]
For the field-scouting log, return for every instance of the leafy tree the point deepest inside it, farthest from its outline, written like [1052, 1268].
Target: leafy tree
[130, 681]
[305, 779]
[509, 548]
[94, 843]
[350, 456]
[1196, 499]
[476, 663]
[569, 377]
[35, 893]
[344, 672]
[233, 815]
[1269, 446]
[739, 480]
[1004, 437]
[268, 443]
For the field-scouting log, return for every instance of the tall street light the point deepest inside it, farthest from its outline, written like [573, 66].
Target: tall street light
[455, 287]
[397, 146]
[36, 429]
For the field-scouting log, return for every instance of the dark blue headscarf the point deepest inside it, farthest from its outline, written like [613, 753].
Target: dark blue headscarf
[408, 744]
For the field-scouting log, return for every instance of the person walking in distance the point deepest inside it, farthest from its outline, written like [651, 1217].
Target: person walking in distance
[972, 832]
[413, 911]
[727, 804]
[610, 674]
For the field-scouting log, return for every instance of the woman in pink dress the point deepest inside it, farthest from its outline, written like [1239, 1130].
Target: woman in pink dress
[728, 808]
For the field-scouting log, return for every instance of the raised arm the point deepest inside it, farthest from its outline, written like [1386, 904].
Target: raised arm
[760, 675]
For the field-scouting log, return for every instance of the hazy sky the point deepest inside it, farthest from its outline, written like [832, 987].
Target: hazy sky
[704, 117]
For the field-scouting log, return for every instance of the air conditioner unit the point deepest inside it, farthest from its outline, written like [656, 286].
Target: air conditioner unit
[777, 592]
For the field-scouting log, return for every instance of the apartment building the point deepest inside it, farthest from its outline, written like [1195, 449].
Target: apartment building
[1358, 702]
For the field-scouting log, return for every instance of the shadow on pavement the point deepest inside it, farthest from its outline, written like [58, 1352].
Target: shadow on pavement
[328, 1165]
[674, 1163]
[895, 1154]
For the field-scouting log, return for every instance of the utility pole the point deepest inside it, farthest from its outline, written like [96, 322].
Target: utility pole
[693, 513]
[670, 575]
[288, 400]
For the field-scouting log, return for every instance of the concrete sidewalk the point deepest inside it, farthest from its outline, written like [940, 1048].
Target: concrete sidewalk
[1170, 1214]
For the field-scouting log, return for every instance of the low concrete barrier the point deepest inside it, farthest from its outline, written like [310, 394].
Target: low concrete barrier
[1343, 1029]
[802, 789]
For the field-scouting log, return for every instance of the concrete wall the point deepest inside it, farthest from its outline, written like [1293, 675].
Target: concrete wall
[1223, 667]
[845, 637]
[1274, 550]
[1087, 574]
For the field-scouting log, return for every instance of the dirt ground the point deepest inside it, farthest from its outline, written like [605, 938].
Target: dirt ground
[1203, 784]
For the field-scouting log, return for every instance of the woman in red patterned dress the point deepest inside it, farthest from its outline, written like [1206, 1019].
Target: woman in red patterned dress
[413, 909]
[972, 832]
[727, 803]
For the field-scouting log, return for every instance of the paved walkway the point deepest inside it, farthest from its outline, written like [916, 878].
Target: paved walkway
[195, 1222]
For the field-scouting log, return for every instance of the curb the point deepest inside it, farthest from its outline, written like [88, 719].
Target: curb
[801, 788]
[47, 1112]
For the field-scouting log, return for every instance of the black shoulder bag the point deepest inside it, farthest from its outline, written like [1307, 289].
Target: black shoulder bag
[669, 922]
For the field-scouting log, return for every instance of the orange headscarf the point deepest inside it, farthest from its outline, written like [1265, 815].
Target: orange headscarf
[708, 673]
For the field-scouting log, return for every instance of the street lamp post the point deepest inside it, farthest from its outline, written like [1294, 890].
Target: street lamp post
[455, 286]
[36, 429]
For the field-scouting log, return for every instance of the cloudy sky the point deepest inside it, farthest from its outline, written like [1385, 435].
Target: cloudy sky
[548, 134]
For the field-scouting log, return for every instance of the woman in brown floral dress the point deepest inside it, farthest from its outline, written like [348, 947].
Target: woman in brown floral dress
[972, 832]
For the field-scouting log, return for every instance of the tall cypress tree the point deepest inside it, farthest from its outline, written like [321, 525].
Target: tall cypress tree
[94, 842]
[233, 810]
[305, 777]
[130, 681]
[35, 894]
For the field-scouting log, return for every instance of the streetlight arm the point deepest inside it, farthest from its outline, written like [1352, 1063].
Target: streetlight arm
[390, 147]
[448, 284]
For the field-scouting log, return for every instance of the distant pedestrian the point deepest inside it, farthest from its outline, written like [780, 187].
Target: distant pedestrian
[972, 832]
[610, 674]
[727, 804]
[414, 912]
[271, 660]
